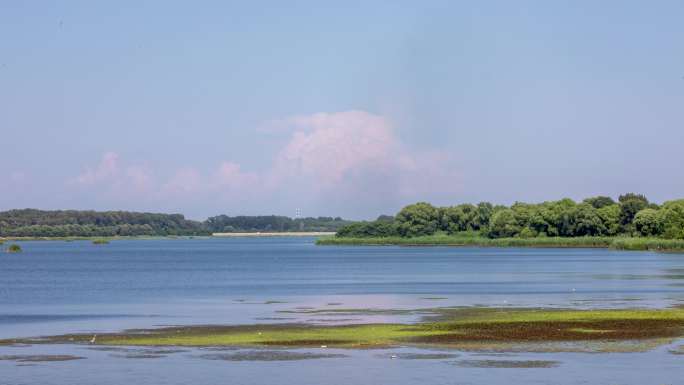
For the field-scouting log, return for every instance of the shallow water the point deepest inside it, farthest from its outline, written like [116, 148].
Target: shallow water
[60, 287]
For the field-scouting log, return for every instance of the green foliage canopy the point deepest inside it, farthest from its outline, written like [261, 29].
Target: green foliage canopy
[595, 217]
[417, 219]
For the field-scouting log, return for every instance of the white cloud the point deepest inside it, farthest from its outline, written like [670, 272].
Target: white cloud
[107, 169]
[328, 146]
[356, 151]
[351, 156]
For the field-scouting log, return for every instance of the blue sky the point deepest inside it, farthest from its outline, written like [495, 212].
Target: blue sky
[337, 108]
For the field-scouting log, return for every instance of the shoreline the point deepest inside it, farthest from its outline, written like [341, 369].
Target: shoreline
[153, 237]
[616, 243]
[276, 234]
[108, 238]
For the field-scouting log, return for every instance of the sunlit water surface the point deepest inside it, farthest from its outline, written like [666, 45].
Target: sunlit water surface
[60, 287]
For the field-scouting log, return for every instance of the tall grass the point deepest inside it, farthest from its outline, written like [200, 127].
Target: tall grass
[451, 240]
[654, 244]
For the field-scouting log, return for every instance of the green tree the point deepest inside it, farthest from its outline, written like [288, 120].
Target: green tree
[482, 216]
[558, 217]
[600, 201]
[586, 221]
[527, 233]
[523, 213]
[385, 218]
[458, 218]
[672, 218]
[630, 205]
[417, 219]
[610, 217]
[369, 229]
[503, 224]
[648, 222]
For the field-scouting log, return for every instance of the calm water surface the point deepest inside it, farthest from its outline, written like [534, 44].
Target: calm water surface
[59, 287]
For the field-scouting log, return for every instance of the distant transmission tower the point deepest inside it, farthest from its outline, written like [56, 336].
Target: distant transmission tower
[298, 213]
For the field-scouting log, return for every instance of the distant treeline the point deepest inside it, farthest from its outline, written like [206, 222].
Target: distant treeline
[631, 215]
[272, 223]
[73, 223]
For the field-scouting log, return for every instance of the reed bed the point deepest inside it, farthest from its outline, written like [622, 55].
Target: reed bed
[618, 243]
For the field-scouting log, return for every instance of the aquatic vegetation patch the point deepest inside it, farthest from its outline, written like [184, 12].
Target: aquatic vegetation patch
[478, 329]
[100, 242]
[555, 331]
[110, 349]
[219, 348]
[507, 364]
[139, 355]
[14, 248]
[133, 353]
[417, 356]
[40, 357]
[268, 355]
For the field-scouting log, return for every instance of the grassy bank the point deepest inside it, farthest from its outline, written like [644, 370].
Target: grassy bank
[463, 328]
[648, 244]
[447, 240]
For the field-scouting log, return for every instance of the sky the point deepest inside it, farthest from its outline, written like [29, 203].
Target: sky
[337, 108]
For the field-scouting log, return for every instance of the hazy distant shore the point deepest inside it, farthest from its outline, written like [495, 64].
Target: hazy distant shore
[218, 235]
[276, 234]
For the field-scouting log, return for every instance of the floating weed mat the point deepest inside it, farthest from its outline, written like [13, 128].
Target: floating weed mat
[475, 329]
[506, 364]
[40, 357]
[133, 353]
[268, 355]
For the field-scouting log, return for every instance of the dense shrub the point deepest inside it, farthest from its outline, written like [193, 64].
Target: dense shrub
[594, 217]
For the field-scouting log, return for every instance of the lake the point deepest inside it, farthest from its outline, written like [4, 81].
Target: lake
[76, 287]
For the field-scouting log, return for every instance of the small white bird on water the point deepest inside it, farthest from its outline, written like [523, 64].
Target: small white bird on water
[92, 340]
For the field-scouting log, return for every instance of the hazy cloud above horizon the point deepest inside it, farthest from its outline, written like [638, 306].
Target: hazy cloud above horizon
[352, 110]
[327, 159]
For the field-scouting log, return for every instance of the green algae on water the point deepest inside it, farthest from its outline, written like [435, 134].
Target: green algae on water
[473, 329]
[507, 364]
[39, 357]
